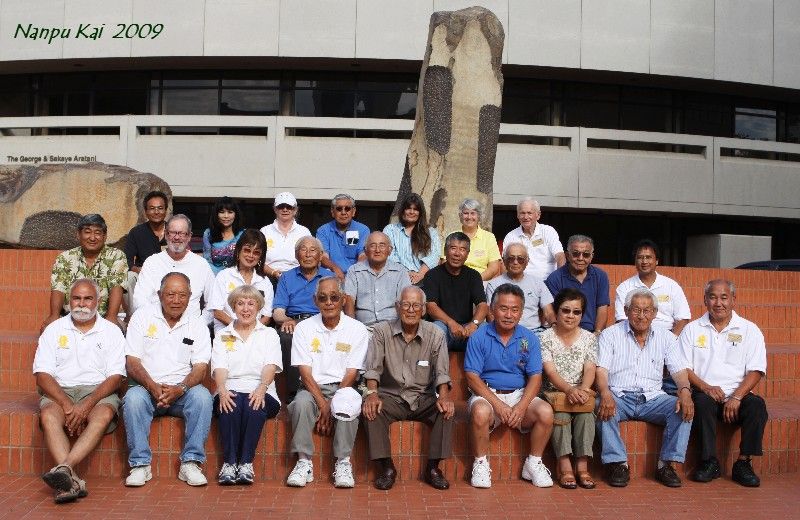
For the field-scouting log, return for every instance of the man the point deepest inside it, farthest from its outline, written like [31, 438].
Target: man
[79, 365]
[503, 367]
[537, 295]
[294, 302]
[146, 239]
[373, 286]
[456, 300]
[92, 259]
[588, 279]
[673, 309]
[168, 351]
[407, 366]
[329, 350]
[540, 240]
[631, 359]
[728, 358]
[342, 238]
[176, 258]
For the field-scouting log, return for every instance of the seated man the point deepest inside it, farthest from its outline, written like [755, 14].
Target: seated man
[407, 365]
[168, 351]
[537, 295]
[79, 365]
[456, 299]
[728, 358]
[631, 358]
[146, 239]
[342, 238]
[294, 302]
[329, 350]
[373, 286]
[540, 240]
[503, 367]
[92, 259]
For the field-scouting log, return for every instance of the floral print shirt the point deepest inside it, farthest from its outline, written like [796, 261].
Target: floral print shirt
[110, 269]
[568, 360]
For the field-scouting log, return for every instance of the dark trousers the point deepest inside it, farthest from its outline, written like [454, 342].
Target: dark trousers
[290, 374]
[752, 418]
[396, 409]
[240, 429]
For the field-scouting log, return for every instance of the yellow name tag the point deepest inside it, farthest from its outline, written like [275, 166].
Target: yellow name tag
[734, 338]
[227, 338]
[537, 242]
[342, 347]
[663, 298]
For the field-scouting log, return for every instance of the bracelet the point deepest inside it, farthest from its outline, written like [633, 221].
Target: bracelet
[733, 396]
[684, 388]
[370, 392]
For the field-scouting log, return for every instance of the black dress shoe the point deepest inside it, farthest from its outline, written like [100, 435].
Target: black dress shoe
[434, 477]
[385, 480]
[618, 474]
[743, 474]
[667, 476]
[707, 471]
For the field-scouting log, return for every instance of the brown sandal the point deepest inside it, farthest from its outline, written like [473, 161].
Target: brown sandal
[567, 480]
[585, 480]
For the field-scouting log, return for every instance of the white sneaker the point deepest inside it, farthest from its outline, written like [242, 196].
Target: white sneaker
[481, 474]
[138, 476]
[343, 474]
[302, 474]
[245, 474]
[537, 473]
[191, 474]
[227, 475]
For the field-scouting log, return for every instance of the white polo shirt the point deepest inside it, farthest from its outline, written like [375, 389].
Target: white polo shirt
[329, 353]
[672, 304]
[167, 353]
[201, 279]
[542, 246]
[229, 279]
[75, 358]
[245, 359]
[724, 358]
[280, 248]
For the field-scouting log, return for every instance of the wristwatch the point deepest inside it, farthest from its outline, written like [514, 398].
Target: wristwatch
[477, 323]
[369, 392]
[183, 387]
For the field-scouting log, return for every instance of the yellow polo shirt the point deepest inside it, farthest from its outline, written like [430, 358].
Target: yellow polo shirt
[482, 250]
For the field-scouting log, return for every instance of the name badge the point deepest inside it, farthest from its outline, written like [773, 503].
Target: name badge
[351, 237]
[227, 338]
[423, 363]
[734, 338]
[663, 298]
[479, 253]
[342, 347]
[537, 242]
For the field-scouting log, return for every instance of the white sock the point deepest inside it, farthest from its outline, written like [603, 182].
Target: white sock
[481, 459]
[534, 459]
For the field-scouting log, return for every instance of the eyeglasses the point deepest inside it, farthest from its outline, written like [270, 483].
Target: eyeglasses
[343, 209]
[641, 312]
[178, 233]
[379, 247]
[409, 305]
[513, 258]
[578, 254]
[566, 312]
[325, 298]
[284, 206]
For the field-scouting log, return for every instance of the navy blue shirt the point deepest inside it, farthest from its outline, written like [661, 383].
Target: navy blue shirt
[503, 367]
[594, 287]
[295, 294]
[343, 246]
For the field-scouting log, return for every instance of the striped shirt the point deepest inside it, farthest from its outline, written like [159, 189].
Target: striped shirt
[632, 368]
[404, 255]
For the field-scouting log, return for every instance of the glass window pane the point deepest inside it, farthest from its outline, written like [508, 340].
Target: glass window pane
[78, 104]
[14, 104]
[591, 114]
[755, 127]
[249, 102]
[526, 110]
[324, 103]
[648, 118]
[61, 82]
[120, 102]
[190, 102]
[121, 80]
[385, 105]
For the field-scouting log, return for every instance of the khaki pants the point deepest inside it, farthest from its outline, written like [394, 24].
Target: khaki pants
[77, 394]
[573, 434]
[304, 413]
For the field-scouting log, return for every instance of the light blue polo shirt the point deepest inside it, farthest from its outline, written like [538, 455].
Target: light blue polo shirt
[503, 367]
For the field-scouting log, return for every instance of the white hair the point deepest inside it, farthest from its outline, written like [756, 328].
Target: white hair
[640, 292]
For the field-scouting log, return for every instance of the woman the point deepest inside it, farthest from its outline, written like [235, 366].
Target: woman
[224, 228]
[484, 255]
[569, 357]
[248, 256]
[281, 236]
[414, 245]
[244, 360]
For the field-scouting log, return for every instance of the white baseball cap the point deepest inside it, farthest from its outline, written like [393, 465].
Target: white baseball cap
[346, 404]
[285, 197]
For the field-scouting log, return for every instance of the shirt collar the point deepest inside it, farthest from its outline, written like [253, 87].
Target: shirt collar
[159, 314]
[397, 328]
[492, 331]
[229, 329]
[629, 330]
[320, 326]
[735, 323]
[95, 327]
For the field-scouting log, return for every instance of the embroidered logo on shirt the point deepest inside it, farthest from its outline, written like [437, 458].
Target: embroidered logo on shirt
[229, 343]
[152, 330]
[63, 342]
[663, 298]
[701, 341]
[315, 344]
[523, 346]
[270, 243]
[231, 286]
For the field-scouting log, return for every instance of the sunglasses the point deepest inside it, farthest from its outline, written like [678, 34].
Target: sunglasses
[567, 312]
[325, 298]
[284, 206]
[578, 254]
[343, 209]
[513, 258]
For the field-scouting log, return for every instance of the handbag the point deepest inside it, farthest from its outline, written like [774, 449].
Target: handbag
[558, 400]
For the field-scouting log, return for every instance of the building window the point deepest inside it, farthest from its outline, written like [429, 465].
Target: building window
[755, 123]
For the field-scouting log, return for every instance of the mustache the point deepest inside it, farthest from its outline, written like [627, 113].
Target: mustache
[82, 313]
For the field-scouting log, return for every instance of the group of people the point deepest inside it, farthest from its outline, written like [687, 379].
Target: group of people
[342, 316]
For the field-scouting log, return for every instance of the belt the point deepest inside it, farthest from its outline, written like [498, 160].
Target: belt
[503, 391]
[300, 317]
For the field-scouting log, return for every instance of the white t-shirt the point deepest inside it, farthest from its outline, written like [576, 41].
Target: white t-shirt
[201, 279]
[724, 358]
[244, 360]
[672, 304]
[167, 354]
[329, 353]
[542, 246]
[226, 281]
[280, 248]
[75, 358]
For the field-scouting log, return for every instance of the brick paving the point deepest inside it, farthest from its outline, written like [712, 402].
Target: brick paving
[28, 498]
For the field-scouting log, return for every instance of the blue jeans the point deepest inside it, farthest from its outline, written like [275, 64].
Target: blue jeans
[658, 410]
[139, 409]
[453, 344]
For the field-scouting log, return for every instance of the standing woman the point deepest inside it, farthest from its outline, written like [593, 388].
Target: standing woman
[244, 360]
[251, 248]
[224, 228]
[415, 245]
[569, 357]
[281, 236]
[484, 255]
